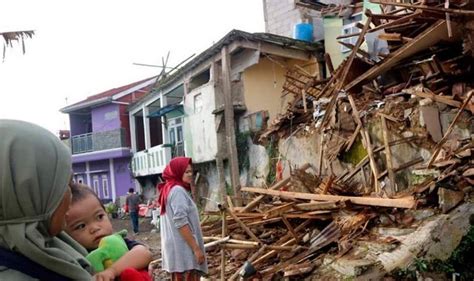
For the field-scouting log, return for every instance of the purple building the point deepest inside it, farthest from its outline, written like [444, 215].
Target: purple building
[100, 139]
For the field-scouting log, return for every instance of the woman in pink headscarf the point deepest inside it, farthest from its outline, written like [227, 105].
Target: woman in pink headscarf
[182, 246]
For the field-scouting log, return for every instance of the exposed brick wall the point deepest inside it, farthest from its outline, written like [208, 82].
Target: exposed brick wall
[281, 16]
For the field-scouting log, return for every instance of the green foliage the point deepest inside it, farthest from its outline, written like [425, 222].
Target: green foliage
[272, 152]
[421, 265]
[356, 153]
[404, 274]
[460, 262]
[228, 189]
[111, 208]
[241, 140]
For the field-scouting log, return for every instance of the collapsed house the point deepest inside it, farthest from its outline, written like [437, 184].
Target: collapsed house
[373, 160]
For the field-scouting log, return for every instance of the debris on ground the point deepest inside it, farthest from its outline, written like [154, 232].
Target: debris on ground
[400, 124]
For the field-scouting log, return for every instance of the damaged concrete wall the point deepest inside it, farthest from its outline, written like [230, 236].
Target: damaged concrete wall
[200, 123]
[332, 29]
[258, 166]
[263, 83]
[208, 185]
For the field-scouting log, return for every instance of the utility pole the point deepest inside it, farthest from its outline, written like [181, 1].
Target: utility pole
[229, 126]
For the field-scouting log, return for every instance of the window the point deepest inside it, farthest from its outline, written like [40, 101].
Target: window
[200, 80]
[105, 186]
[175, 131]
[349, 27]
[95, 184]
[198, 103]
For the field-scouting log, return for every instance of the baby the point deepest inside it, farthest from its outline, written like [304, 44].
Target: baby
[87, 222]
[35, 168]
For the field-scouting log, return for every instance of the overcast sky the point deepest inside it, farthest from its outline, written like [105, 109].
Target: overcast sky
[82, 48]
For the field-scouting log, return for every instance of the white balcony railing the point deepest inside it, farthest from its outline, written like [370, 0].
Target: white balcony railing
[151, 161]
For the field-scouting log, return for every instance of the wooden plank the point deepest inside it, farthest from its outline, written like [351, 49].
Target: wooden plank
[273, 252]
[395, 22]
[365, 160]
[229, 125]
[290, 228]
[432, 35]
[448, 19]
[428, 8]
[224, 233]
[406, 202]
[450, 129]
[283, 241]
[348, 65]
[441, 99]
[303, 97]
[328, 184]
[389, 117]
[230, 204]
[390, 36]
[278, 211]
[360, 51]
[350, 142]
[269, 247]
[365, 140]
[313, 206]
[251, 260]
[216, 242]
[308, 216]
[388, 154]
[373, 165]
[306, 73]
[327, 58]
[345, 70]
[278, 185]
[244, 227]
[263, 222]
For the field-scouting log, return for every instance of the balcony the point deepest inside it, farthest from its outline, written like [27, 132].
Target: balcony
[91, 142]
[151, 161]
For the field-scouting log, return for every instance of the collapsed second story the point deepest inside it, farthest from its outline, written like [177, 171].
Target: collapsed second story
[100, 123]
[184, 114]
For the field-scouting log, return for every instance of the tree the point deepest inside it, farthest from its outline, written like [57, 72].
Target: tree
[9, 37]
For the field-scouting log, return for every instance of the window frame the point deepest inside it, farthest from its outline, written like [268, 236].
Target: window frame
[95, 185]
[105, 186]
[351, 28]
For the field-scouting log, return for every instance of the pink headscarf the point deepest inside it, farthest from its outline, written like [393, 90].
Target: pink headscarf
[173, 175]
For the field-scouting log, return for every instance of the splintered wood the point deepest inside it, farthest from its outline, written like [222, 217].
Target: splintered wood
[393, 125]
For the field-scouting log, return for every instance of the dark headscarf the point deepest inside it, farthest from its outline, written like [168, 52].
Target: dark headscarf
[173, 175]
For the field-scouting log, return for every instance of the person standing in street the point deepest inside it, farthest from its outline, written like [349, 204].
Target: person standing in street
[182, 247]
[132, 202]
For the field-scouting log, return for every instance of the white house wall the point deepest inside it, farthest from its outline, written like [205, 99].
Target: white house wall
[201, 126]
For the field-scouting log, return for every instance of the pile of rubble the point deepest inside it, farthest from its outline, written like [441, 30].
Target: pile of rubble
[396, 143]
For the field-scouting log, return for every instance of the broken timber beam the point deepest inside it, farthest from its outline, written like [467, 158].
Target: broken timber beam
[428, 8]
[406, 202]
[216, 242]
[278, 185]
[395, 22]
[290, 228]
[436, 98]
[450, 129]
[251, 260]
[388, 155]
[244, 227]
[314, 206]
[432, 35]
[278, 211]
